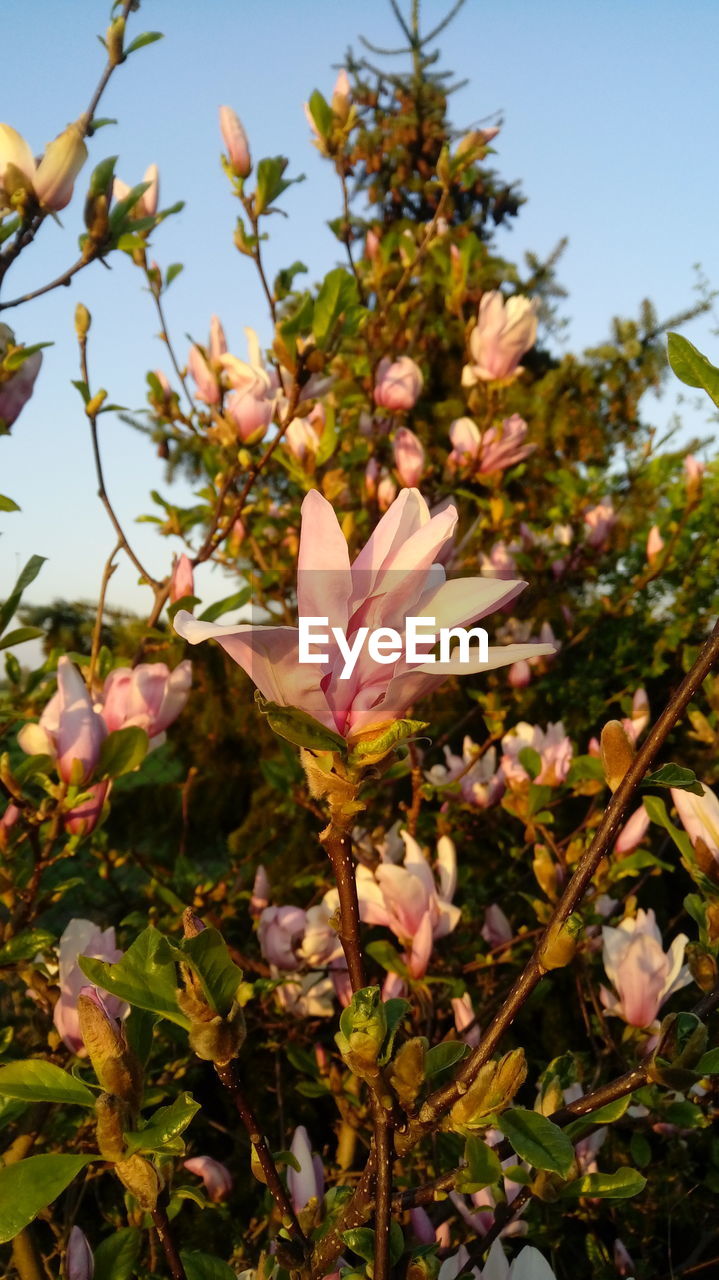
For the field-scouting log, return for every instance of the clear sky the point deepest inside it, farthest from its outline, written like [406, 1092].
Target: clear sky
[611, 116]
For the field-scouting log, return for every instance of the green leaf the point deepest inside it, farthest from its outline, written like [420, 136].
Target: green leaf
[361, 1241]
[657, 811]
[211, 961]
[585, 769]
[17, 358]
[139, 1027]
[674, 775]
[31, 1185]
[321, 113]
[692, 367]
[36, 1081]
[536, 1140]
[173, 272]
[147, 37]
[384, 954]
[20, 635]
[483, 1167]
[604, 1115]
[337, 294]
[122, 751]
[116, 1256]
[640, 1149]
[8, 504]
[299, 727]
[394, 1009]
[235, 601]
[606, 1186]
[145, 976]
[442, 1056]
[26, 945]
[270, 182]
[164, 1126]
[708, 1065]
[27, 575]
[531, 760]
[200, 1266]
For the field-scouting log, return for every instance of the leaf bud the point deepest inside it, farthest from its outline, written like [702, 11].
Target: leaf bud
[114, 1063]
[141, 1179]
[363, 1027]
[702, 966]
[111, 1119]
[492, 1091]
[114, 39]
[617, 753]
[560, 943]
[406, 1073]
[83, 320]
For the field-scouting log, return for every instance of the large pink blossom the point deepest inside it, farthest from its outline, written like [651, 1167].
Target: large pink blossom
[498, 448]
[82, 938]
[149, 695]
[408, 900]
[69, 730]
[642, 974]
[397, 574]
[502, 334]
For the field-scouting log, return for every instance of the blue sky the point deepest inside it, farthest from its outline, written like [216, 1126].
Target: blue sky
[610, 125]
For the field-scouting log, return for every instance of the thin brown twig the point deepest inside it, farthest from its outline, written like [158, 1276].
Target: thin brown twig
[107, 573]
[162, 1226]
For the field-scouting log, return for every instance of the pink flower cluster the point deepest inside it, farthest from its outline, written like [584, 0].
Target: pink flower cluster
[480, 778]
[252, 391]
[552, 745]
[82, 938]
[72, 728]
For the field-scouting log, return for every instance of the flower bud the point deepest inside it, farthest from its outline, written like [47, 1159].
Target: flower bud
[79, 1262]
[560, 943]
[141, 1179]
[363, 1027]
[217, 1039]
[492, 1091]
[111, 1119]
[114, 38]
[702, 966]
[114, 1063]
[406, 1073]
[235, 139]
[59, 167]
[83, 320]
[617, 753]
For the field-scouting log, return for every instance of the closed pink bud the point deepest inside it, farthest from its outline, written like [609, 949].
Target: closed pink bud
[408, 457]
[182, 582]
[17, 164]
[74, 732]
[694, 470]
[235, 140]
[655, 544]
[641, 972]
[600, 521]
[372, 245]
[496, 929]
[421, 1225]
[216, 1177]
[386, 492]
[79, 1262]
[218, 341]
[398, 384]
[59, 167]
[260, 892]
[623, 1260]
[206, 380]
[341, 99]
[519, 674]
[465, 437]
[251, 412]
[465, 1020]
[149, 696]
[633, 831]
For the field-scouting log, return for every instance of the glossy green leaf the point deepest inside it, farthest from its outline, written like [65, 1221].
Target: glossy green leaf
[708, 1065]
[165, 1125]
[31, 1185]
[140, 42]
[211, 961]
[116, 1256]
[8, 504]
[33, 1080]
[442, 1056]
[606, 1186]
[145, 976]
[201, 1266]
[337, 294]
[19, 635]
[483, 1167]
[537, 1140]
[235, 601]
[122, 751]
[27, 575]
[26, 945]
[692, 367]
[674, 775]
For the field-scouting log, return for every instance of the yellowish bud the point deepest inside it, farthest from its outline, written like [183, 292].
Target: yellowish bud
[617, 753]
[560, 943]
[142, 1179]
[83, 320]
[492, 1091]
[406, 1073]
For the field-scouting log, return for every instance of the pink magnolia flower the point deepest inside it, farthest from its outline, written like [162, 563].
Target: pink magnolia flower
[53, 179]
[70, 729]
[205, 366]
[395, 575]
[306, 995]
[633, 831]
[398, 384]
[466, 439]
[408, 900]
[251, 403]
[553, 746]
[82, 938]
[146, 205]
[655, 544]
[386, 491]
[149, 695]
[623, 1260]
[79, 1262]
[216, 1177]
[309, 1183]
[496, 929]
[302, 440]
[465, 1019]
[235, 139]
[409, 457]
[281, 930]
[481, 781]
[17, 388]
[699, 815]
[642, 974]
[600, 521]
[500, 562]
[183, 580]
[504, 446]
[504, 331]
